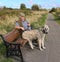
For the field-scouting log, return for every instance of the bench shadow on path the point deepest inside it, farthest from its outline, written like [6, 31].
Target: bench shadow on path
[26, 49]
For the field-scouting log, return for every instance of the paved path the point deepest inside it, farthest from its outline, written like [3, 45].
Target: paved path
[52, 52]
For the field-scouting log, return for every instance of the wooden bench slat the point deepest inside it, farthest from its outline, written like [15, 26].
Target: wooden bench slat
[11, 36]
[14, 34]
[21, 41]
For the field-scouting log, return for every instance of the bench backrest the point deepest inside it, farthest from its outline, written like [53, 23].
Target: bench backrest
[11, 36]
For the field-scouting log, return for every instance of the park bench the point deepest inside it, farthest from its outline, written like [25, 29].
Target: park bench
[13, 43]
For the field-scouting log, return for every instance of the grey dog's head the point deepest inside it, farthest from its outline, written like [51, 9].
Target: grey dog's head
[45, 29]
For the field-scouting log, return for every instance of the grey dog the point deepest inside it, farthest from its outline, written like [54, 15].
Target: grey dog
[36, 34]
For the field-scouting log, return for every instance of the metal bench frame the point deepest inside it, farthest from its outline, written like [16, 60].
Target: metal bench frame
[12, 48]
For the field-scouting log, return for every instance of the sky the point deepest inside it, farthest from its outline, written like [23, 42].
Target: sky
[43, 3]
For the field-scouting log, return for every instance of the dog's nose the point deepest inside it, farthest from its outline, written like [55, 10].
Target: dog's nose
[46, 32]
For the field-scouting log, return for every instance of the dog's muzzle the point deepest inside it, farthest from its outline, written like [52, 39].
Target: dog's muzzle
[45, 32]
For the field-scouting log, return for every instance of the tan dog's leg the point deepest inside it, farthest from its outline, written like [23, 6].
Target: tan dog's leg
[43, 42]
[39, 42]
[31, 45]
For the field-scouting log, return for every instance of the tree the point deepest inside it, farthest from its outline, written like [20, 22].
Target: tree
[22, 6]
[4, 7]
[52, 10]
[40, 7]
[35, 7]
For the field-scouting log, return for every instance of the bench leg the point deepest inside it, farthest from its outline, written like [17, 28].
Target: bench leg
[21, 56]
[7, 54]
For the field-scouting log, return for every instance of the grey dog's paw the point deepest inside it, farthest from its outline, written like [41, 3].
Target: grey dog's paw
[44, 47]
[41, 49]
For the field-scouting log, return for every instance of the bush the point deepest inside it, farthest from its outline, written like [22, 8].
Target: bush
[57, 13]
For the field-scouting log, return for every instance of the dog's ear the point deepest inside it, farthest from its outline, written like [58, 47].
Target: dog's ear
[40, 29]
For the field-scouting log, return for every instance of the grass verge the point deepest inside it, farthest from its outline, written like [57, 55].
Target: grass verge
[2, 53]
[57, 19]
[40, 22]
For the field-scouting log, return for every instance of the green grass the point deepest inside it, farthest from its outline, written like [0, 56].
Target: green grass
[5, 60]
[7, 28]
[2, 53]
[40, 22]
[57, 19]
[2, 49]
